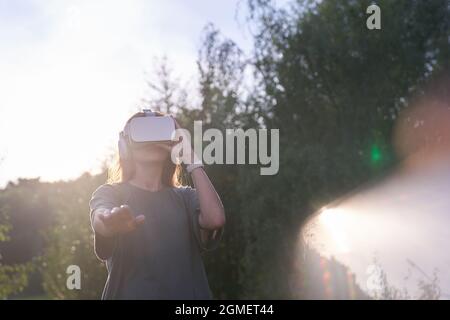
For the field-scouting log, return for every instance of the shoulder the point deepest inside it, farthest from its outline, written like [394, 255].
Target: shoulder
[108, 191]
[185, 191]
[108, 188]
[103, 197]
[184, 188]
[188, 195]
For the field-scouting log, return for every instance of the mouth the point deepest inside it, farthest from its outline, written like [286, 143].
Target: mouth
[163, 145]
[152, 146]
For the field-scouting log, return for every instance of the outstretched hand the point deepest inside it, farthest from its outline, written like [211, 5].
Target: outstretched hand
[119, 220]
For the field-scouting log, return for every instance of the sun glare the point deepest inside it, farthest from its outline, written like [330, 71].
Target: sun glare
[334, 222]
[68, 86]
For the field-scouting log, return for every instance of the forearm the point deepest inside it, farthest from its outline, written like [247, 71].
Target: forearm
[212, 214]
[103, 245]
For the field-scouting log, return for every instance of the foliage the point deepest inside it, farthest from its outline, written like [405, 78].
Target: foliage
[70, 242]
[13, 277]
[334, 89]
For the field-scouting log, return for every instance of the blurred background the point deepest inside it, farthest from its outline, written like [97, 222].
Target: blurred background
[361, 191]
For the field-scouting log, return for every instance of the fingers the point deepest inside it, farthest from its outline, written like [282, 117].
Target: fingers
[102, 216]
[126, 209]
[139, 220]
[135, 222]
[123, 212]
[121, 219]
[177, 126]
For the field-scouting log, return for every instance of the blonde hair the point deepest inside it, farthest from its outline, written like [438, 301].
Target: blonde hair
[123, 170]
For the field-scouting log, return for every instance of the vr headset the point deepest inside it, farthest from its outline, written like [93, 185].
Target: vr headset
[149, 128]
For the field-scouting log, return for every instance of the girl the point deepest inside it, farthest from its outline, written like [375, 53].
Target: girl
[151, 230]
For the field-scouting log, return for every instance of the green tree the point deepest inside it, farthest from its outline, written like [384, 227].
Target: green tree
[334, 90]
[70, 241]
[13, 277]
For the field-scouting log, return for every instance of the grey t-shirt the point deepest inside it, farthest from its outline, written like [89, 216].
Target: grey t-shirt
[161, 259]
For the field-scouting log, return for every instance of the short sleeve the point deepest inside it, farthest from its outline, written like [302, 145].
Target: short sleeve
[214, 236]
[105, 197]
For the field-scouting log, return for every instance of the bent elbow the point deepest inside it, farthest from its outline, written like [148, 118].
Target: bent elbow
[219, 220]
[213, 220]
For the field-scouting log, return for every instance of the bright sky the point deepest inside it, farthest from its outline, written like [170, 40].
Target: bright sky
[71, 72]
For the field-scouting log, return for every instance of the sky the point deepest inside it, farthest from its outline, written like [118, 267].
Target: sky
[72, 72]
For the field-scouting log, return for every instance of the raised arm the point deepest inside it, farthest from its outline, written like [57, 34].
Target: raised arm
[212, 213]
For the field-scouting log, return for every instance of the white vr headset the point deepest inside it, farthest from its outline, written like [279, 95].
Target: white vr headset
[146, 129]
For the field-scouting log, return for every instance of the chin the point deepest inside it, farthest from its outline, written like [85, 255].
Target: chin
[151, 157]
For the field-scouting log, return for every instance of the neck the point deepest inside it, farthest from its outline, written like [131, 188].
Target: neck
[148, 176]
